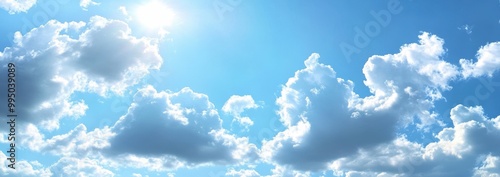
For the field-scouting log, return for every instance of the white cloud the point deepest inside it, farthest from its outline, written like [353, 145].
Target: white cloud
[279, 171]
[132, 57]
[488, 62]
[86, 3]
[236, 105]
[150, 163]
[65, 65]
[490, 167]
[170, 129]
[123, 10]
[68, 166]
[125, 13]
[23, 168]
[327, 123]
[242, 173]
[468, 148]
[318, 123]
[316, 120]
[16, 6]
[326, 120]
[473, 133]
[467, 28]
[76, 143]
[183, 125]
[414, 77]
[395, 157]
[79, 150]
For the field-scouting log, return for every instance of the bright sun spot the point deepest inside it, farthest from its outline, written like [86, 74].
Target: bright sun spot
[155, 14]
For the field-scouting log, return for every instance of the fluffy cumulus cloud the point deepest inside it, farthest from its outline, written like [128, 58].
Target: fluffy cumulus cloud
[79, 149]
[66, 166]
[23, 168]
[327, 125]
[69, 166]
[490, 166]
[320, 125]
[410, 81]
[326, 120]
[74, 56]
[487, 62]
[76, 143]
[161, 131]
[183, 126]
[468, 148]
[16, 6]
[237, 105]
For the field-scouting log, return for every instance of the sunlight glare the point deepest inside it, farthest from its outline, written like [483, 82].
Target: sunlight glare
[155, 14]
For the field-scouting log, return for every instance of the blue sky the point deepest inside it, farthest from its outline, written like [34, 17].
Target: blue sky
[253, 88]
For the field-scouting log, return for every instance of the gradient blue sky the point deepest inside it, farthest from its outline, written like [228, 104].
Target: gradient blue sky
[253, 88]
